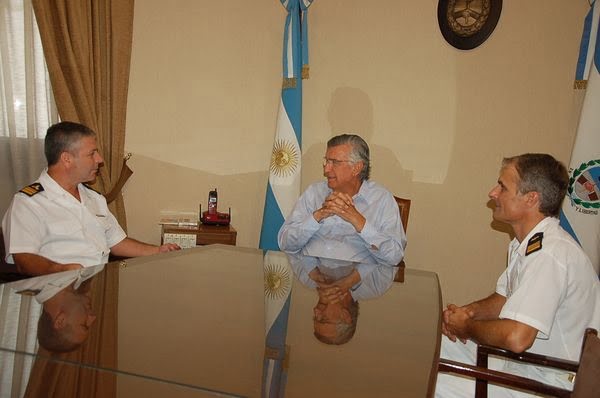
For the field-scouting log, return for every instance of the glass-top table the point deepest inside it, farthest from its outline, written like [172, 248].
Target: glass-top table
[192, 324]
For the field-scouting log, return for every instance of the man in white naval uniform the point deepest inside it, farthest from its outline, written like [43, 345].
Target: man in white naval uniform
[59, 223]
[545, 299]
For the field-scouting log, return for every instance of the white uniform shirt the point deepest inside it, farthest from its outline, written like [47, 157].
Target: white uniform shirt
[553, 289]
[55, 225]
[45, 287]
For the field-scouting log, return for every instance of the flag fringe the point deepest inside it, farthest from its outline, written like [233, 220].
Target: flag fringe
[580, 84]
[305, 72]
[288, 82]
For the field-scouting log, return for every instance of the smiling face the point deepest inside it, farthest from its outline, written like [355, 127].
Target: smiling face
[85, 160]
[510, 205]
[342, 174]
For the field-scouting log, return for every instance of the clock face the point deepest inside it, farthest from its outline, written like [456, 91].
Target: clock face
[465, 24]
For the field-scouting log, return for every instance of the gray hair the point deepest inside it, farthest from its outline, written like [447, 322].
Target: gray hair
[360, 151]
[541, 173]
[64, 137]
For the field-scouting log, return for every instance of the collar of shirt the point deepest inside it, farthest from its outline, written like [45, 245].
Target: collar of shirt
[540, 227]
[364, 192]
[53, 190]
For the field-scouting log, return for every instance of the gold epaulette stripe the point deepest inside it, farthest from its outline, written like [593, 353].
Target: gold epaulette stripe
[32, 189]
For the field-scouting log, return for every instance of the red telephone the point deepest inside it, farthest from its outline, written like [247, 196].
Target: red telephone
[212, 216]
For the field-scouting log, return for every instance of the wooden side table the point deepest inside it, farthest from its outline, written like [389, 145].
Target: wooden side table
[205, 234]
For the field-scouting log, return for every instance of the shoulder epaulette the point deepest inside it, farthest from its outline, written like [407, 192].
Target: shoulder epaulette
[32, 189]
[90, 188]
[534, 244]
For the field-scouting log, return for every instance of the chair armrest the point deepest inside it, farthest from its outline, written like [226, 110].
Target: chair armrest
[531, 358]
[501, 378]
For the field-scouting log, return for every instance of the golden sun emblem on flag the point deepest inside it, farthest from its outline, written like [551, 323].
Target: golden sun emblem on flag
[284, 159]
[277, 281]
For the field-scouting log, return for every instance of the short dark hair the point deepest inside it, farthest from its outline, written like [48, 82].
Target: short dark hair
[344, 331]
[541, 173]
[51, 339]
[360, 151]
[63, 137]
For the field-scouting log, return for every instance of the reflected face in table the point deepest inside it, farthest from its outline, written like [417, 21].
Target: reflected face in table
[80, 317]
[70, 324]
[332, 320]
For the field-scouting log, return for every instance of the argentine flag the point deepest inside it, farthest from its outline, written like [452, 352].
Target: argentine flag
[283, 189]
[580, 214]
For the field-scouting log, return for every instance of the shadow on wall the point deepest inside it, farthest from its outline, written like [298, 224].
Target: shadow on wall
[351, 111]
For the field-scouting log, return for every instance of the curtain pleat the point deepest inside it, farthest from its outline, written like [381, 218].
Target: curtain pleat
[87, 46]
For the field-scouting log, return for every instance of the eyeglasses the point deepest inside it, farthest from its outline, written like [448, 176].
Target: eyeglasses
[334, 162]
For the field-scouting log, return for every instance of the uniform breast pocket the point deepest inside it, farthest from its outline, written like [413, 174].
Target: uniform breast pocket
[103, 222]
[64, 228]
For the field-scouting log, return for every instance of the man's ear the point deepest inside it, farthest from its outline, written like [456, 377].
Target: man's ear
[533, 199]
[357, 168]
[66, 157]
[60, 321]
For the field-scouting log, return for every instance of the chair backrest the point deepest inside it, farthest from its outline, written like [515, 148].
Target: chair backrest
[586, 382]
[404, 206]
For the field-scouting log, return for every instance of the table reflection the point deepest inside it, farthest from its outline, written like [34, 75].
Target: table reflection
[67, 314]
[196, 320]
[339, 284]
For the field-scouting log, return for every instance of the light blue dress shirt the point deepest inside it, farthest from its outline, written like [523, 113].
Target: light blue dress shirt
[334, 242]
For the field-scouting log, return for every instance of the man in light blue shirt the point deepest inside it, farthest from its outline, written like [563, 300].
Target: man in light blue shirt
[346, 222]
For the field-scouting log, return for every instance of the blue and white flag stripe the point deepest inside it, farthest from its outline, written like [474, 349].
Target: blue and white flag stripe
[580, 214]
[283, 189]
[588, 48]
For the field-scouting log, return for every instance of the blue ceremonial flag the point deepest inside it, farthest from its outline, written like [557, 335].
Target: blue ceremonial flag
[580, 212]
[283, 190]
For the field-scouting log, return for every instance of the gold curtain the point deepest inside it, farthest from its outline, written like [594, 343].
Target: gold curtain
[87, 46]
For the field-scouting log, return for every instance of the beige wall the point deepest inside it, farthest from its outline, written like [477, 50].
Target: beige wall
[204, 90]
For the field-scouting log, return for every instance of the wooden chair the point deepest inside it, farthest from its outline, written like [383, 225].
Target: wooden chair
[404, 206]
[587, 370]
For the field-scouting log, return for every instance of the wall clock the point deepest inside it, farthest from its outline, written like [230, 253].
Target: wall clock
[465, 24]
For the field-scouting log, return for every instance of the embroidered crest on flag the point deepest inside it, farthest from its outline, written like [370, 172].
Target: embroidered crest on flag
[584, 187]
[284, 159]
[277, 281]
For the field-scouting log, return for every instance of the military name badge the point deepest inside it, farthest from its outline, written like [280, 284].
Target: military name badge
[32, 189]
[534, 244]
[584, 187]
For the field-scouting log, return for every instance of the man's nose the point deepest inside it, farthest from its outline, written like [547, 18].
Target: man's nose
[99, 158]
[493, 193]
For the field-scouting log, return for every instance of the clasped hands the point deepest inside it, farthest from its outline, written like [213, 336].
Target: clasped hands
[454, 322]
[333, 292]
[341, 205]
